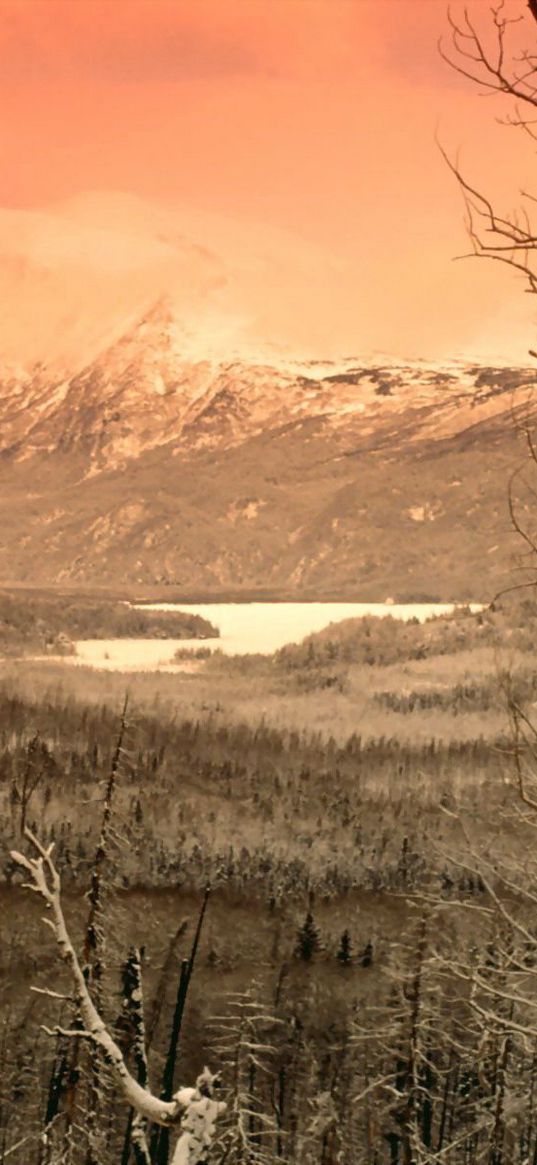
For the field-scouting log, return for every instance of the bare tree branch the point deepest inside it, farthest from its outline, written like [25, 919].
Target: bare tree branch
[45, 881]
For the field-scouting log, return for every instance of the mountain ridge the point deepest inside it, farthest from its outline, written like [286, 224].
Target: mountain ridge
[364, 480]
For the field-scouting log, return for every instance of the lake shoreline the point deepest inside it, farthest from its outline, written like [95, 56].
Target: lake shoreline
[243, 629]
[142, 594]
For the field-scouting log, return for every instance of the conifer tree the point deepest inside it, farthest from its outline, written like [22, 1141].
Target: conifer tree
[366, 957]
[344, 953]
[308, 941]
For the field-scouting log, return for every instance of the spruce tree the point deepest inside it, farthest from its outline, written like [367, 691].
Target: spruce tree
[344, 954]
[308, 941]
[366, 958]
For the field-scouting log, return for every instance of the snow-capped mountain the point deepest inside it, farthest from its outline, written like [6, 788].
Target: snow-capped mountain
[161, 423]
[150, 466]
[145, 391]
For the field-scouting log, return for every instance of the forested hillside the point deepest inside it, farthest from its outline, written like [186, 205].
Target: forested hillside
[343, 876]
[35, 621]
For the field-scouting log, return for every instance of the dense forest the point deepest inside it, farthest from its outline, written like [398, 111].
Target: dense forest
[340, 923]
[341, 928]
[509, 622]
[36, 621]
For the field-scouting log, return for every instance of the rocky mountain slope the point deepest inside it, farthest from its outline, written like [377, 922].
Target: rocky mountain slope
[149, 466]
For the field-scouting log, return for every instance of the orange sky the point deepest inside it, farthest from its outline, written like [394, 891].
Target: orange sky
[315, 116]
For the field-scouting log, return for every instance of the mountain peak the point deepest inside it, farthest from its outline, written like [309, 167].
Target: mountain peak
[348, 479]
[164, 380]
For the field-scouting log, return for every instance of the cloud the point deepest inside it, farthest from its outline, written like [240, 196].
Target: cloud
[124, 42]
[406, 37]
[136, 42]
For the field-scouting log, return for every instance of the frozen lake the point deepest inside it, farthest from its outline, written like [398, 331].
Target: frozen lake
[244, 628]
[264, 627]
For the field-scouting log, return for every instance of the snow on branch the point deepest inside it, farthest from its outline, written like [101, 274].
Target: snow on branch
[44, 880]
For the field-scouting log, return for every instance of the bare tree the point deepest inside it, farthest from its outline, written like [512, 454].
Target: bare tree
[196, 1109]
[495, 47]
[490, 51]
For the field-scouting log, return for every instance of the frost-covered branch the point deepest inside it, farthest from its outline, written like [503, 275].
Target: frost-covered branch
[201, 1111]
[196, 1107]
[133, 1004]
[44, 880]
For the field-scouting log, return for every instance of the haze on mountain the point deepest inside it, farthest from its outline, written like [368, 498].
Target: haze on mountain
[75, 274]
[176, 411]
